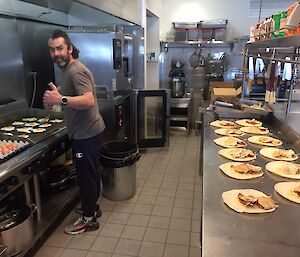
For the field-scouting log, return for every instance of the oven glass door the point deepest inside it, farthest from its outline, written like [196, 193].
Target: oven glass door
[151, 118]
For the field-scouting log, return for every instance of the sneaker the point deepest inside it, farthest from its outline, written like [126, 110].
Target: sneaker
[81, 225]
[98, 211]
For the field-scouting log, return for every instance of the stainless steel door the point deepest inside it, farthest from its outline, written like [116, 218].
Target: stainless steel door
[151, 118]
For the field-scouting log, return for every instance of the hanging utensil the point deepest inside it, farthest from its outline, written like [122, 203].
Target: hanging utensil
[196, 59]
[270, 93]
[251, 74]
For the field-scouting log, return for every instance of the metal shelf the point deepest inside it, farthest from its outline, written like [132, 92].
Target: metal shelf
[291, 41]
[192, 44]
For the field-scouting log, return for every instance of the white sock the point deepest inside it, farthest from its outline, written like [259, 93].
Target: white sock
[88, 218]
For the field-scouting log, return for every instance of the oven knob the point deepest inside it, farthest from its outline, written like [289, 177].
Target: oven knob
[12, 181]
[28, 170]
[3, 188]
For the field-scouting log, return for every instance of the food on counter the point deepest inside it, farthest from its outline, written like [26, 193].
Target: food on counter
[254, 106]
[45, 125]
[18, 123]
[42, 120]
[38, 130]
[8, 134]
[289, 190]
[223, 124]
[31, 124]
[239, 170]
[249, 201]
[24, 130]
[229, 132]
[238, 154]
[230, 142]
[32, 119]
[255, 130]
[8, 128]
[265, 140]
[279, 154]
[23, 136]
[249, 123]
[56, 121]
[284, 169]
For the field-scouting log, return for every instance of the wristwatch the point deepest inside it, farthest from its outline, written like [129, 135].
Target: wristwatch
[64, 100]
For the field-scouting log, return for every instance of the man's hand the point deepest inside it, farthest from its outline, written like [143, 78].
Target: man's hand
[51, 97]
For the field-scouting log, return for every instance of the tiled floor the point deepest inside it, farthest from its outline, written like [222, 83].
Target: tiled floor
[161, 220]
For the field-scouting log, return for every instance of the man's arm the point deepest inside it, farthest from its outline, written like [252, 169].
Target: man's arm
[81, 102]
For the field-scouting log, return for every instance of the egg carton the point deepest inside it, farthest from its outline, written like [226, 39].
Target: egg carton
[12, 147]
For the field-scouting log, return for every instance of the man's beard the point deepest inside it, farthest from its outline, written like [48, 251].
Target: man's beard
[62, 62]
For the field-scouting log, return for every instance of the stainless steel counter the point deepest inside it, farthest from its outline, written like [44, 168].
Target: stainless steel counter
[229, 234]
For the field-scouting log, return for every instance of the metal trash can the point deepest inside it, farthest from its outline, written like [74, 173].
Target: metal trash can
[118, 159]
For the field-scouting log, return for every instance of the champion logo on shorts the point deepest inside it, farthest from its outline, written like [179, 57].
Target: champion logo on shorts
[79, 155]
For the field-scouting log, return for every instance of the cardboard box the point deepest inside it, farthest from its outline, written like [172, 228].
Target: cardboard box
[225, 92]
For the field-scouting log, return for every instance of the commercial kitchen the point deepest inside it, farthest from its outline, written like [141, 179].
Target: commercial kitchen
[206, 92]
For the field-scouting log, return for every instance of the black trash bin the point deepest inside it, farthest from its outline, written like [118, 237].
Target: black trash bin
[118, 159]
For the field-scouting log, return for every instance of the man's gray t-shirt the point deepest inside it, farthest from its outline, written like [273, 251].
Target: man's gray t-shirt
[77, 80]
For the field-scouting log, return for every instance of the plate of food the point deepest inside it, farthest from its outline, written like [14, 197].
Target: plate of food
[230, 142]
[284, 169]
[240, 170]
[238, 154]
[249, 201]
[279, 154]
[265, 140]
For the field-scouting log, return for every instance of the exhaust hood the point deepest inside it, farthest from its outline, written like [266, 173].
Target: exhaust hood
[62, 12]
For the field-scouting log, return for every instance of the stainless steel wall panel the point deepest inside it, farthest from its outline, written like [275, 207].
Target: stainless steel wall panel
[34, 45]
[11, 65]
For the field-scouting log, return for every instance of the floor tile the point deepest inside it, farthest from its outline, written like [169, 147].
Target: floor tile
[183, 203]
[164, 201]
[151, 249]
[166, 192]
[58, 239]
[159, 222]
[123, 207]
[48, 251]
[98, 254]
[176, 251]
[112, 230]
[178, 237]
[105, 244]
[182, 213]
[165, 211]
[128, 247]
[155, 235]
[195, 239]
[82, 242]
[145, 209]
[73, 253]
[180, 224]
[146, 199]
[195, 252]
[133, 232]
[138, 220]
[118, 217]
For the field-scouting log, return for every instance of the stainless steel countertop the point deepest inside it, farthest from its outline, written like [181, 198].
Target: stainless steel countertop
[227, 233]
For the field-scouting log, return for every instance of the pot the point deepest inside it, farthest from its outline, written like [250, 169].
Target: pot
[17, 234]
[177, 87]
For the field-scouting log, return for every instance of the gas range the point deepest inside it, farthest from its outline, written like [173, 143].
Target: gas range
[33, 153]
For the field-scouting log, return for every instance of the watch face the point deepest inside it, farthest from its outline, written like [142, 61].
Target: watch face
[64, 100]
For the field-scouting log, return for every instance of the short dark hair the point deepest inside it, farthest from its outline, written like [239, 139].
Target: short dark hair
[60, 33]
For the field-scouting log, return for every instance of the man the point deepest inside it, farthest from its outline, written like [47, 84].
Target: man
[84, 124]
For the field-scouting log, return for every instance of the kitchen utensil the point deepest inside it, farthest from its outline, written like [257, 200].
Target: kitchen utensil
[270, 93]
